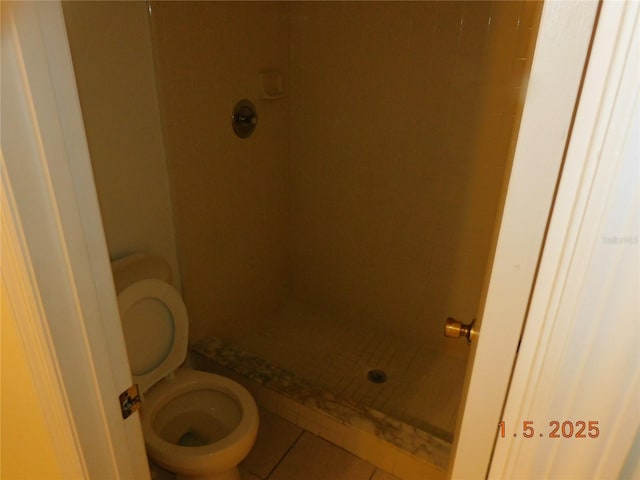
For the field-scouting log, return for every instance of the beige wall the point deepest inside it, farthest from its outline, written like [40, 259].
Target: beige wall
[231, 196]
[402, 115]
[113, 62]
[27, 450]
[370, 189]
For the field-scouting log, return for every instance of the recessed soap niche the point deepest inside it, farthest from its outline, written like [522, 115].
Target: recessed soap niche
[271, 85]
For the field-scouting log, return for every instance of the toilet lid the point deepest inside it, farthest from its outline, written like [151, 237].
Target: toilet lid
[156, 330]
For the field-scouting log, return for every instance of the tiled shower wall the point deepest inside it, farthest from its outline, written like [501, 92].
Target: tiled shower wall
[113, 63]
[230, 196]
[402, 115]
[371, 188]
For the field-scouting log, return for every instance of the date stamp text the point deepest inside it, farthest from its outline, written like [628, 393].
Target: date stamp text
[555, 429]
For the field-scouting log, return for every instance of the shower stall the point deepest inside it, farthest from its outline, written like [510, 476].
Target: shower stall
[320, 255]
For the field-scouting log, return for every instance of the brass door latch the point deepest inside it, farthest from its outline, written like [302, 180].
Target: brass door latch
[455, 329]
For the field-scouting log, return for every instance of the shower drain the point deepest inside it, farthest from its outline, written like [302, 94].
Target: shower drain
[376, 376]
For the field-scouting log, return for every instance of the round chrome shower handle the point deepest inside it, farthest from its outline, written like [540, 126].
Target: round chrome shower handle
[244, 118]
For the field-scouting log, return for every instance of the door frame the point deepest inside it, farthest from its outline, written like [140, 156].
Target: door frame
[584, 310]
[55, 265]
[58, 234]
[562, 45]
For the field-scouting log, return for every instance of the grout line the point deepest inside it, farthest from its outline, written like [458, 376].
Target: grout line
[285, 454]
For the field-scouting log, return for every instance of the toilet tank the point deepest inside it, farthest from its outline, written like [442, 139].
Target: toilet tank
[138, 266]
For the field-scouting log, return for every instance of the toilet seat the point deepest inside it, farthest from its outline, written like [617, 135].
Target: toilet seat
[215, 457]
[196, 424]
[156, 330]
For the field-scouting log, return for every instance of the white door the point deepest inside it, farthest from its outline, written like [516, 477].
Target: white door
[561, 49]
[70, 238]
[573, 408]
[582, 333]
[55, 266]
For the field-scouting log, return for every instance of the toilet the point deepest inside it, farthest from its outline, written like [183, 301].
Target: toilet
[196, 424]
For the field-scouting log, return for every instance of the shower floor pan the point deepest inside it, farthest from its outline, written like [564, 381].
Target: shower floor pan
[386, 401]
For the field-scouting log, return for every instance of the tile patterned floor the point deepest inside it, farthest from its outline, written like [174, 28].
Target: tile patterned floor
[423, 387]
[283, 451]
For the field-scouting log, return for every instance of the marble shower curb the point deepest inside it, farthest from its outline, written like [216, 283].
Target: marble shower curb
[390, 444]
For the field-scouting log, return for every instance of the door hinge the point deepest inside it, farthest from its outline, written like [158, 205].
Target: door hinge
[130, 401]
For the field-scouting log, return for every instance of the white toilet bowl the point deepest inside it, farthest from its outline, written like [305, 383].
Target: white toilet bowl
[196, 424]
[199, 425]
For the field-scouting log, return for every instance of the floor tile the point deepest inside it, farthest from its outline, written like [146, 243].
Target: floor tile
[382, 475]
[244, 475]
[315, 459]
[275, 438]
[159, 473]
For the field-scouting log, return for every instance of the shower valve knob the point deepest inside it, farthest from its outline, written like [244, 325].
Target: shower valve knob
[455, 329]
[244, 118]
[247, 119]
